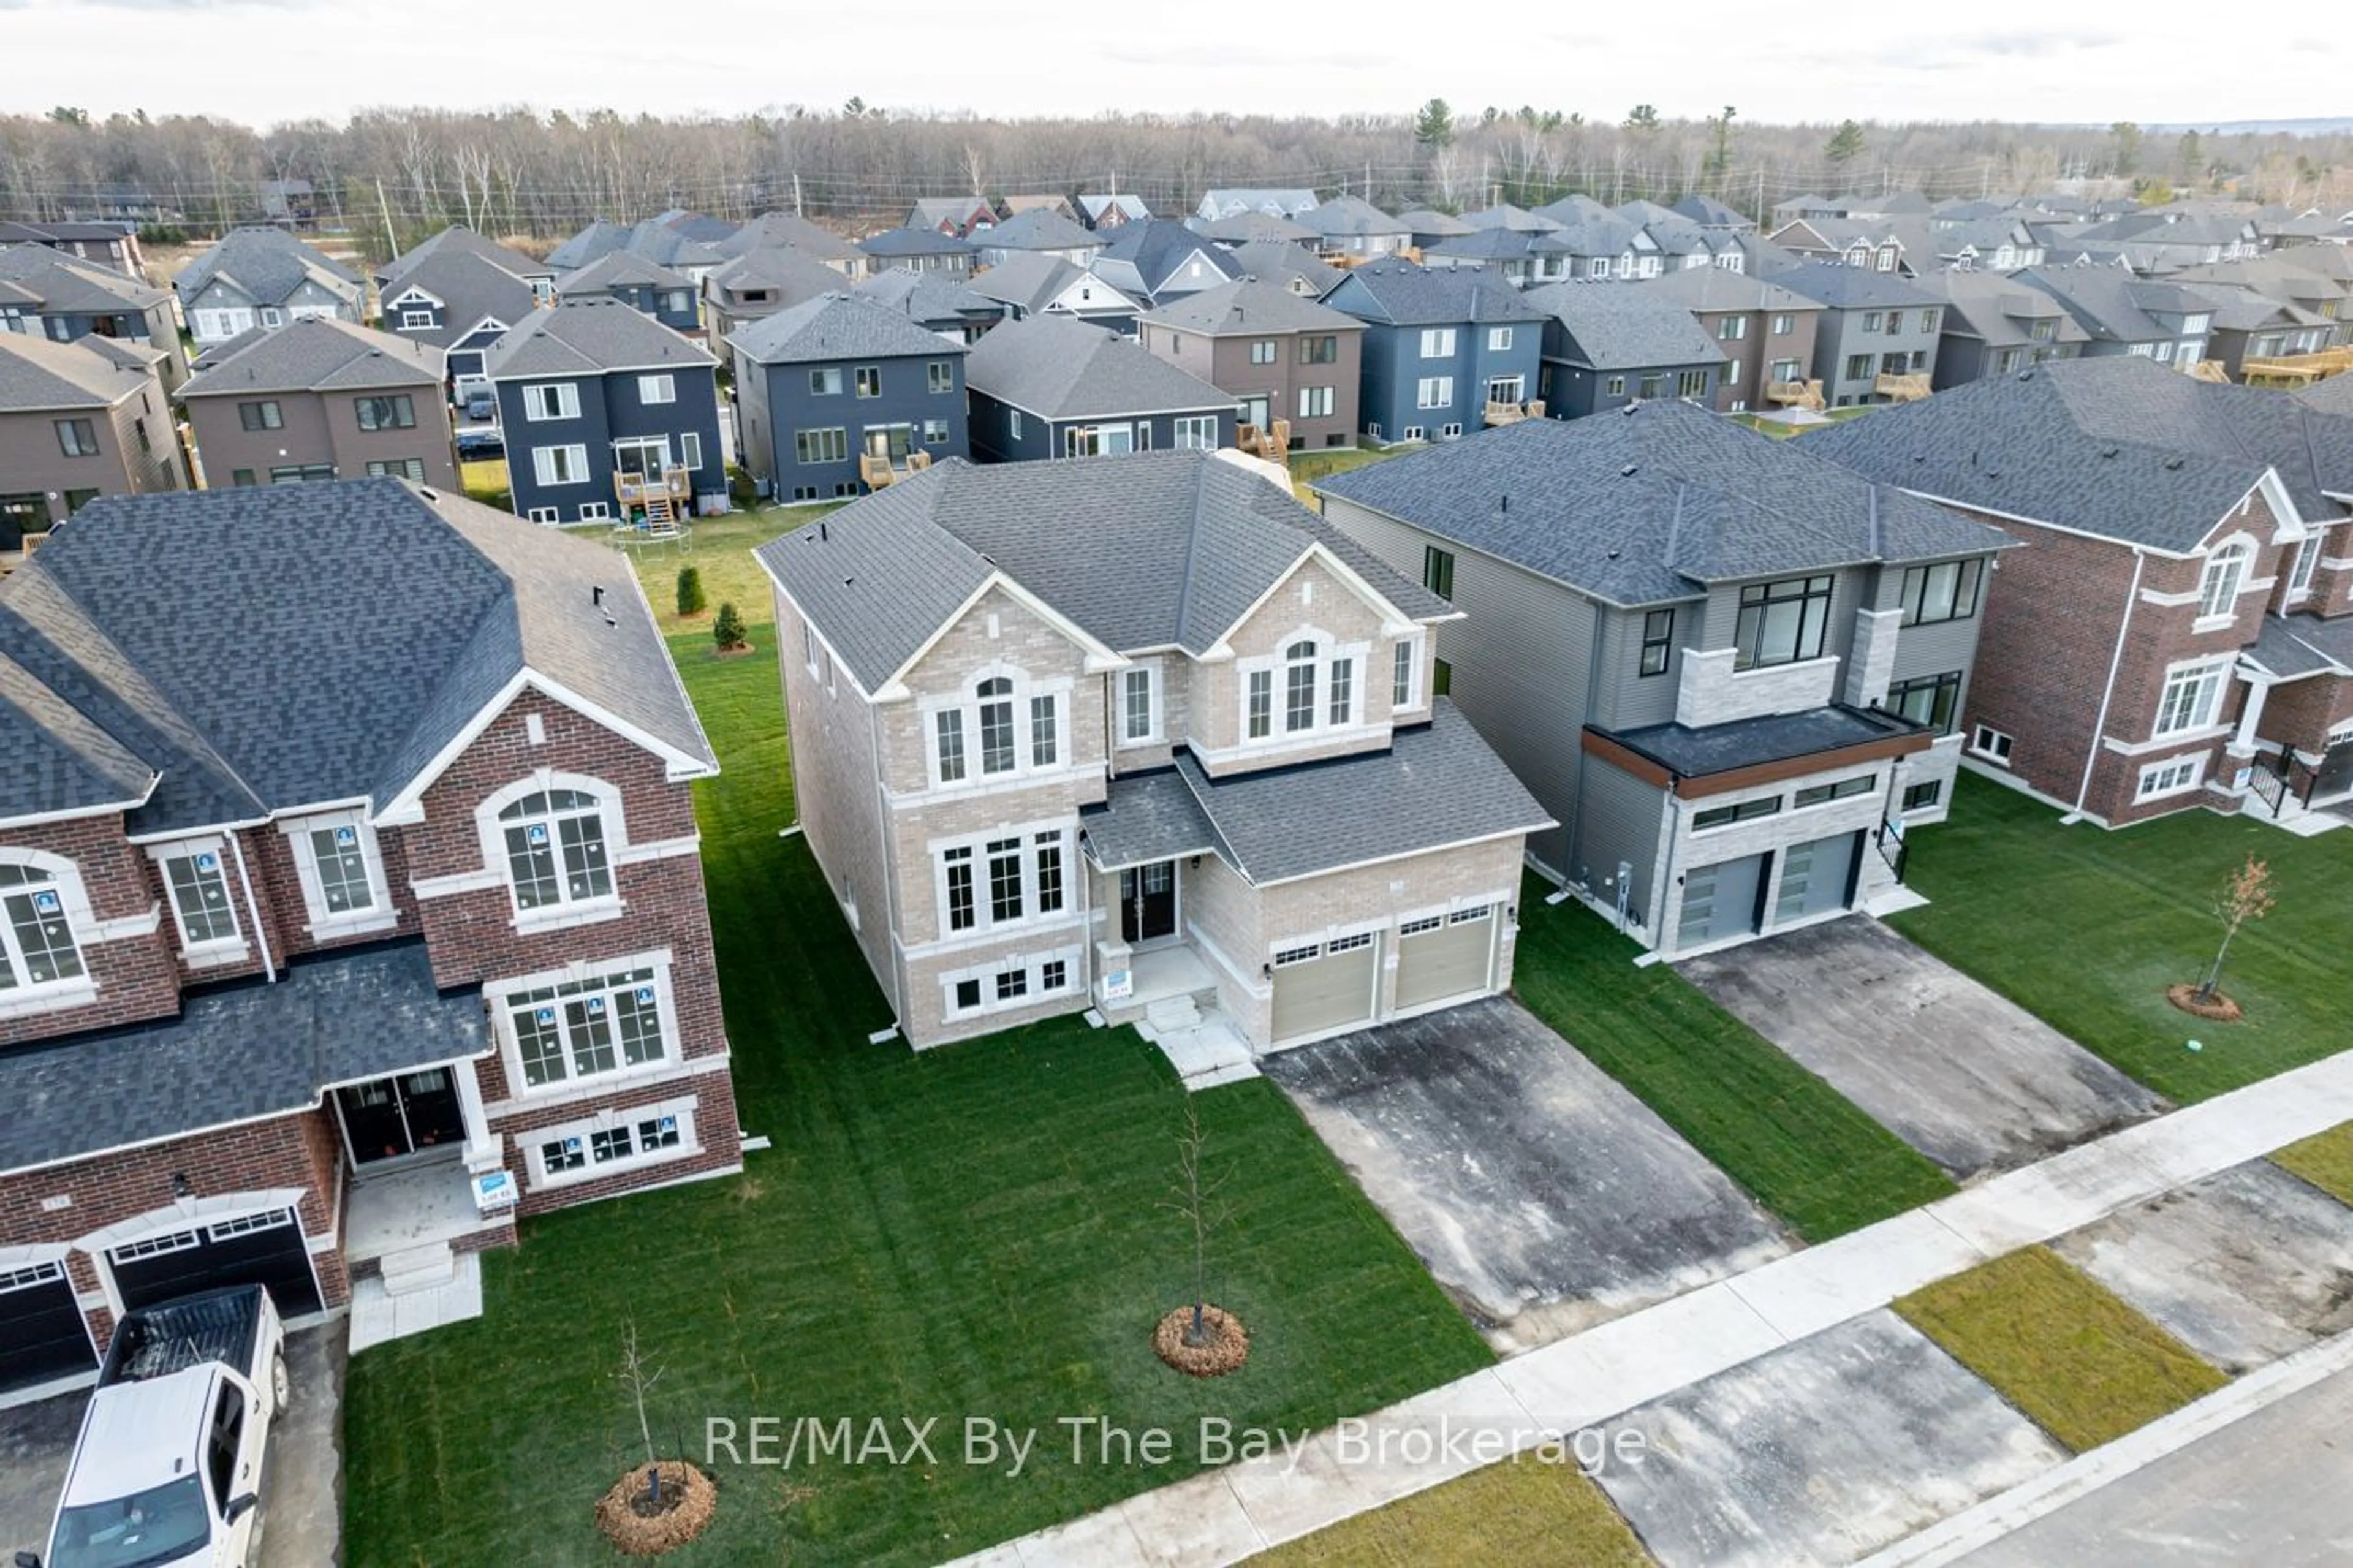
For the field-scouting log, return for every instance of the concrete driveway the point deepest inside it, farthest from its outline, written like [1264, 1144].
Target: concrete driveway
[1821, 1452]
[1970, 1079]
[302, 1519]
[2243, 1267]
[1543, 1197]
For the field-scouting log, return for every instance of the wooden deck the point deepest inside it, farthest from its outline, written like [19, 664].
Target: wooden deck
[1512, 412]
[2295, 369]
[1795, 394]
[1900, 388]
[880, 473]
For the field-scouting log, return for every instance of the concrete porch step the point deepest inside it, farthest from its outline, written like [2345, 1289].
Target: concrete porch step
[416, 1269]
[1211, 1052]
[378, 1315]
[1172, 1014]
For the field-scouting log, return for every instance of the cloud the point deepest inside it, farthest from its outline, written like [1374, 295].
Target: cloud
[2036, 45]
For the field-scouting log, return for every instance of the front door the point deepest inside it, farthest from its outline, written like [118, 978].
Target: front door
[1147, 902]
[392, 1118]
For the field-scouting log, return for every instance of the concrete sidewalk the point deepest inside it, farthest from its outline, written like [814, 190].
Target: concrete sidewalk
[1224, 1515]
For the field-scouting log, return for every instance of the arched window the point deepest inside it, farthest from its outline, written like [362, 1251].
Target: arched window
[556, 848]
[1009, 723]
[2226, 572]
[997, 750]
[37, 939]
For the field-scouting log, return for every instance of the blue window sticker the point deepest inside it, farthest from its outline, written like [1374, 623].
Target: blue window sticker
[645, 995]
[596, 1006]
[538, 834]
[572, 1145]
[346, 837]
[47, 903]
[207, 861]
[669, 1123]
[545, 1016]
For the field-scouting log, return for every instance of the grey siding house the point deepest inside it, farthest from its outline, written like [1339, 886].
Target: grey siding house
[321, 399]
[1994, 325]
[1275, 354]
[1056, 387]
[840, 378]
[1876, 331]
[76, 424]
[1441, 346]
[919, 250]
[1731, 671]
[598, 403]
[1608, 345]
[667, 297]
[458, 302]
[262, 277]
[1031, 284]
[762, 283]
[55, 294]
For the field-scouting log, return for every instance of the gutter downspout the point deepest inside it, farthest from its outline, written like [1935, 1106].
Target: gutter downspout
[2108, 691]
[1576, 785]
[253, 910]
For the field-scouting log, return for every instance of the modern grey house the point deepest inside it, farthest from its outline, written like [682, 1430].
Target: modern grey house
[1994, 325]
[1154, 261]
[1039, 231]
[57, 296]
[2127, 315]
[1054, 386]
[607, 411]
[1607, 345]
[1441, 347]
[1876, 339]
[948, 306]
[1031, 284]
[762, 283]
[1731, 671]
[1352, 227]
[646, 287]
[1598, 243]
[459, 302]
[838, 379]
[75, 423]
[458, 240]
[262, 278]
[790, 231]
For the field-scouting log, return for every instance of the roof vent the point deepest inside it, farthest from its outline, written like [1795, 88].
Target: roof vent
[2172, 463]
[597, 595]
[1504, 504]
[1627, 472]
[2108, 451]
[1634, 406]
[2026, 375]
[822, 536]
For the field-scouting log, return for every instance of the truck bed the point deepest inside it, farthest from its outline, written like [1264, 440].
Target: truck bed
[156, 1341]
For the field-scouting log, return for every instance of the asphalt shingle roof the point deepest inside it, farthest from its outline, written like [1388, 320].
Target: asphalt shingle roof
[2332, 396]
[2118, 446]
[1350, 217]
[1423, 220]
[1035, 279]
[472, 290]
[2000, 312]
[458, 240]
[588, 337]
[928, 298]
[618, 269]
[1152, 549]
[792, 275]
[1719, 289]
[1059, 367]
[792, 231]
[67, 285]
[1247, 306]
[42, 374]
[914, 242]
[1040, 228]
[1243, 227]
[1845, 288]
[269, 264]
[1271, 261]
[837, 325]
[1649, 506]
[315, 353]
[1438, 784]
[328, 1019]
[1620, 327]
[1396, 291]
[171, 621]
[1145, 817]
[1153, 250]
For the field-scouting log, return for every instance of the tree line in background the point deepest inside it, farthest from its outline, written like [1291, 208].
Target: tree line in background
[515, 171]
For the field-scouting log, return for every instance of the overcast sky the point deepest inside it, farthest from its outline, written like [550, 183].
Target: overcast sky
[2072, 60]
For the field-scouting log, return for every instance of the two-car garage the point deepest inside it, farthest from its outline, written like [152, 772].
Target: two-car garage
[42, 1335]
[1323, 987]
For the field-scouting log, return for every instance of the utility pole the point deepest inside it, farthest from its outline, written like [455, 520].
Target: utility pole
[1760, 198]
[796, 194]
[391, 240]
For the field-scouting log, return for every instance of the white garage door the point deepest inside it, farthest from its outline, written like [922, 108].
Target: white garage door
[1321, 986]
[1445, 955]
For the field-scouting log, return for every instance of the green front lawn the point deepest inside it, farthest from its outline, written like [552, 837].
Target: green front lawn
[971, 1232]
[1522, 1510]
[1801, 1148]
[2061, 1346]
[2085, 928]
[2325, 1159]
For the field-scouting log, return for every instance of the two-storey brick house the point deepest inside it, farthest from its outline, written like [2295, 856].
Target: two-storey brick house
[325, 957]
[1102, 733]
[2179, 631]
[1732, 672]
[602, 407]
[1277, 355]
[1440, 346]
[319, 399]
[838, 380]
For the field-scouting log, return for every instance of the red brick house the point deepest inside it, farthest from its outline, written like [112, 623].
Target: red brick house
[2180, 632]
[349, 903]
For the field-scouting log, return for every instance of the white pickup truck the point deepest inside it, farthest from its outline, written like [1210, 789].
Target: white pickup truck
[168, 1466]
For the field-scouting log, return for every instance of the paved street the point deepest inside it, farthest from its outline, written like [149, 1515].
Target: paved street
[2274, 1488]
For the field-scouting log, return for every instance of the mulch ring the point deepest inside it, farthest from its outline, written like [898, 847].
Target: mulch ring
[1225, 1344]
[2217, 1007]
[630, 1522]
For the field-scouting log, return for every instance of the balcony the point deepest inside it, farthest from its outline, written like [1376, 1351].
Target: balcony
[1900, 388]
[1512, 412]
[1805, 395]
[879, 472]
[663, 497]
[2295, 369]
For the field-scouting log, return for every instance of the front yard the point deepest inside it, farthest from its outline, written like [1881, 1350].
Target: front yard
[2086, 928]
[972, 1232]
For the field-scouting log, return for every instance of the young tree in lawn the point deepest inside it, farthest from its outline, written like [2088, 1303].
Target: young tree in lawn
[639, 1379]
[691, 600]
[727, 628]
[1193, 1198]
[2245, 895]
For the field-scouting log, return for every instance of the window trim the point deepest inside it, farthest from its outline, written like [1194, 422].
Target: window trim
[1747, 658]
[211, 951]
[1033, 839]
[1994, 745]
[657, 388]
[2192, 764]
[535, 402]
[1406, 669]
[1943, 680]
[500, 996]
[2206, 713]
[2234, 562]
[564, 912]
[1031, 965]
[965, 703]
[681, 1109]
[82, 928]
[1156, 696]
[543, 473]
[1655, 638]
[325, 925]
[1968, 573]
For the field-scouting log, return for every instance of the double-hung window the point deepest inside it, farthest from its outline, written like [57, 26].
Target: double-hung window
[997, 748]
[1015, 875]
[869, 381]
[1299, 687]
[264, 415]
[660, 388]
[1139, 716]
[1405, 680]
[2192, 698]
[1499, 339]
[1197, 432]
[939, 374]
[1258, 705]
[560, 464]
[1944, 591]
[36, 938]
[198, 879]
[1782, 623]
[1438, 342]
[556, 849]
[1315, 403]
[1262, 350]
[1658, 642]
[1435, 392]
[341, 872]
[586, 1028]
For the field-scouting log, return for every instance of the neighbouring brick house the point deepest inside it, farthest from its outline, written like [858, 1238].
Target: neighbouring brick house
[323, 957]
[2179, 630]
[1105, 733]
[319, 399]
[1731, 671]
